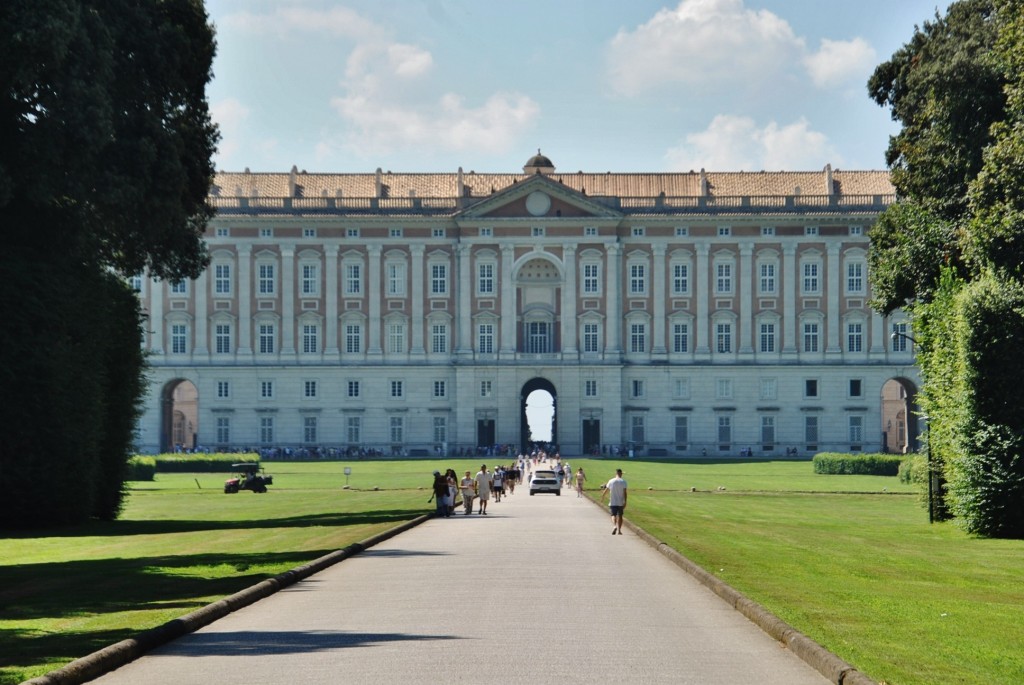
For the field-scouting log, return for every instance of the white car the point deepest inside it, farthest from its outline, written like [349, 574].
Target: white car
[545, 481]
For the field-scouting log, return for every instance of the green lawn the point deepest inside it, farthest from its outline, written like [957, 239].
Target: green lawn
[849, 560]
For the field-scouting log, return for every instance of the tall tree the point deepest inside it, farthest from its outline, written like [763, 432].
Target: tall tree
[105, 165]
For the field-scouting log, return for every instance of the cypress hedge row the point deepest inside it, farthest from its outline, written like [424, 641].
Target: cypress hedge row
[837, 463]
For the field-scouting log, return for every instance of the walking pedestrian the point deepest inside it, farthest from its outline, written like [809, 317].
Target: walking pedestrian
[467, 493]
[617, 504]
[580, 478]
[483, 487]
[440, 494]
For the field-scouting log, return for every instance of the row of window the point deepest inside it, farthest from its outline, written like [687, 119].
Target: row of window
[538, 337]
[311, 430]
[768, 437]
[590, 279]
[353, 389]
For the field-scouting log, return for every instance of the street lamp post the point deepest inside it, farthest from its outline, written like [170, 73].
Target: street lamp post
[928, 448]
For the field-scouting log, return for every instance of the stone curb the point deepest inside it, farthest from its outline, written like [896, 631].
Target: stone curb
[113, 656]
[814, 655]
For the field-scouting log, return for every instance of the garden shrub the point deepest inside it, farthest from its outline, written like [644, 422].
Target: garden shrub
[217, 462]
[842, 464]
[140, 468]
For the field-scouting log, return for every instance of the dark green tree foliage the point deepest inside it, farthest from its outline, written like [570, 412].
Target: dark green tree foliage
[105, 149]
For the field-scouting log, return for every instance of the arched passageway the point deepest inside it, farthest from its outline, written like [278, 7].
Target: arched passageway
[900, 429]
[539, 415]
[180, 416]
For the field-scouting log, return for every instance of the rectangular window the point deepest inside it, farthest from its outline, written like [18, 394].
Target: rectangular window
[810, 282]
[440, 389]
[485, 279]
[266, 390]
[591, 339]
[680, 279]
[637, 389]
[267, 280]
[723, 389]
[485, 338]
[856, 387]
[438, 279]
[590, 388]
[179, 337]
[537, 232]
[681, 389]
[485, 388]
[769, 388]
[810, 230]
[682, 231]
[811, 432]
[590, 231]
[397, 389]
[854, 337]
[222, 279]
[223, 390]
[638, 231]
[309, 429]
[637, 429]
[724, 231]
[810, 387]
[856, 230]
[266, 233]
[309, 233]
[637, 279]
[353, 389]
[486, 232]
[856, 431]
[309, 389]
[135, 283]
[179, 288]
[223, 430]
[351, 232]
[767, 433]
[591, 279]
[396, 338]
[538, 337]
[680, 337]
[855, 278]
[724, 433]
[637, 337]
[267, 336]
[682, 431]
[396, 279]
[222, 338]
[310, 282]
[394, 233]
[353, 338]
[267, 429]
[723, 338]
[397, 430]
[353, 279]
[810, 337]
[723, 279]
[767, 281]
[223, 232]
[439, 338]
[310, 338]
[899, 337]
[767, 337]
[767, 231]
[437, 232]
[440, 429]
[353, 430]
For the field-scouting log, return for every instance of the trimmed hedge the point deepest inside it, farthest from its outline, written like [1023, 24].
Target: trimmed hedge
[218, 462]
[140, 468]
[842, 464]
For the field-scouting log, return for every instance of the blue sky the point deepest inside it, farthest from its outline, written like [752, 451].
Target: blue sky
[598, 85]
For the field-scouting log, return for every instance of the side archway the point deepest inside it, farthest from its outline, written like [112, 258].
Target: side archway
[900, 416]
[179, 421]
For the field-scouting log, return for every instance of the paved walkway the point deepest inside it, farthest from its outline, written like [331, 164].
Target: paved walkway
[538, 591]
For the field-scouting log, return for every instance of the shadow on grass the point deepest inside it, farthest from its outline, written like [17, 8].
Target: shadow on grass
[275, 642]
[162, 526]
[65, 589]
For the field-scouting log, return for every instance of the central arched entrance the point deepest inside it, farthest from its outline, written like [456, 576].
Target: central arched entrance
[531, 395]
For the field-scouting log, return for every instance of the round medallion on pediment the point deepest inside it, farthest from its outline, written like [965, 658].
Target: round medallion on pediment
[538, 203]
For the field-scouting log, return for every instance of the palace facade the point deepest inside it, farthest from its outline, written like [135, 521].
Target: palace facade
[675, 314]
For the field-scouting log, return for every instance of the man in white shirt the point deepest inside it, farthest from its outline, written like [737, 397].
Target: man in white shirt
[483, 487]
[619, 493]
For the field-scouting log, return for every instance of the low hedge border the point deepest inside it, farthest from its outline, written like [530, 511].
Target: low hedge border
[843, 464]
[214, 462]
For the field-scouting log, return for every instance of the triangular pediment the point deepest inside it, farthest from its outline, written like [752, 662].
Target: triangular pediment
[538, 197]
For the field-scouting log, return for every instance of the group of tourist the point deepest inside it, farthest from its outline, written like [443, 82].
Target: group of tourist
[486, 484]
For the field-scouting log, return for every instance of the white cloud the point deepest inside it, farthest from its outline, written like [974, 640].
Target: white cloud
[733, 143]
[838, 62]
[230, 116]
[284, 21]
[699, 43]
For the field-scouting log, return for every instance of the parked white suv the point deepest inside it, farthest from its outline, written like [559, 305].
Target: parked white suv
[545, 481]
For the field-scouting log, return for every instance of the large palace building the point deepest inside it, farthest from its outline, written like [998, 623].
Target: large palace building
[674, 314]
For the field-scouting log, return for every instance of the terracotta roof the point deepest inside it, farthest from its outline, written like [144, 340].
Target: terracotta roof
[445, 185]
